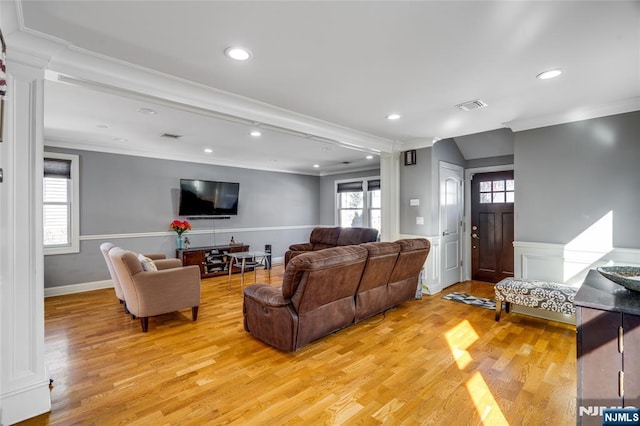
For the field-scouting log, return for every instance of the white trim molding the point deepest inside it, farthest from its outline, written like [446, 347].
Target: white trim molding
[557, 263]
[24, 382]
[164, 234]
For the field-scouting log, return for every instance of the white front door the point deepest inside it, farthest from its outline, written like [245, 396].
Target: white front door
[451, 212]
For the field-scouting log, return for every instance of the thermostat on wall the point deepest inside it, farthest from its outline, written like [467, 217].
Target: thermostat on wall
[414, 202]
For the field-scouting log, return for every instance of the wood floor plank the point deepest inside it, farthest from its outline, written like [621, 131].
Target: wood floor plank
[429, 361]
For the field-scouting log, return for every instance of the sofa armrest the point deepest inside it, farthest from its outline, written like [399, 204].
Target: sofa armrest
[301, 247]
[162, 264]
[266, 295]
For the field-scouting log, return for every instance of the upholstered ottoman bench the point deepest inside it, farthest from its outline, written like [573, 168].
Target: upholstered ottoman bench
[535, 294]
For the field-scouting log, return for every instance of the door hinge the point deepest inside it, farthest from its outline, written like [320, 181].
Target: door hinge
[620, 339]
[621, 384]
[460, 262]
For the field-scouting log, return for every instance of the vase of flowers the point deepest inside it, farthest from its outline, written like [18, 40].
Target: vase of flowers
[180, 227]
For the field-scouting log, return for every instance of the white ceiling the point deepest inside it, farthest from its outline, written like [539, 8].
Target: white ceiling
[346, 63]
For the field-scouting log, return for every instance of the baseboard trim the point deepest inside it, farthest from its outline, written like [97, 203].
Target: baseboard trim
[99, 285]
[77, 288]
[25, 403]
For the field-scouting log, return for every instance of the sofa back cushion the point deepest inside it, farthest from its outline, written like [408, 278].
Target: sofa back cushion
[316, 278]
[403, 282]
[322, 237]
[380, 262]
[351, 236]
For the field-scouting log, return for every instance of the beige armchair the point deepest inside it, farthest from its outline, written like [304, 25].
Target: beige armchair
[159, 259]
[148, 294]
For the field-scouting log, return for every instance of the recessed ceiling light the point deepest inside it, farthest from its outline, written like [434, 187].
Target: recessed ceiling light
[208, 150]
[120, 139]
[255, 133]
[315, 166]
[237, 53]
[369, 157]
[147, 111]
[546, 75]
[393, 116]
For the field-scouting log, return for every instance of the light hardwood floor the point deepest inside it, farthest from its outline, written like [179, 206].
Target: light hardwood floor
[428, 361]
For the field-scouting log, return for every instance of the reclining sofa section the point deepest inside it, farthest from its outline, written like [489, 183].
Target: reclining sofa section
[327, 290]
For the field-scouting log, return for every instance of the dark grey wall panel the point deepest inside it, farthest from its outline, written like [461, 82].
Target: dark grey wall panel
[122, 195]
[569, 176]
[327, 193]
[494, 143]
[489, 161]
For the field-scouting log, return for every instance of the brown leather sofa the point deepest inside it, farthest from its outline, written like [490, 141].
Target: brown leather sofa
[325, 237]
[326, 290]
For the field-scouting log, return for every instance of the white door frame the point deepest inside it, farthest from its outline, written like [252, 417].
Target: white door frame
[466, 229]
[460, 170]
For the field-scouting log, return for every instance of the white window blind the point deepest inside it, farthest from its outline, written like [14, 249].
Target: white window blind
[59, 204]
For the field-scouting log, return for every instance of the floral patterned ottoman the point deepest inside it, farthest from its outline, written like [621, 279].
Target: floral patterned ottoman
[535, 294]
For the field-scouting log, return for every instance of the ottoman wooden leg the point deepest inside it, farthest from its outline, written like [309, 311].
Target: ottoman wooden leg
[498, 309]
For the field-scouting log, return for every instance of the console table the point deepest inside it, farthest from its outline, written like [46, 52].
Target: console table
[212, 260]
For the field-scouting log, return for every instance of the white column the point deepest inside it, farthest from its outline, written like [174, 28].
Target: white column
[24, 381]
[390, 184]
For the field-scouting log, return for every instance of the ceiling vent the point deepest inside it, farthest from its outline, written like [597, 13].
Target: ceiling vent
[471, 105]
[171, 136]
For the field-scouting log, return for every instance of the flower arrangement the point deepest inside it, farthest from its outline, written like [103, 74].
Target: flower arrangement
[180, 226]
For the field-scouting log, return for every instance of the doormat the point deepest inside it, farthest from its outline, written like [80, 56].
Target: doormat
[471, 300]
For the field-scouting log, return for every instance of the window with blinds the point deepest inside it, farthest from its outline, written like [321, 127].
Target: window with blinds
[359, 203]
[58, 213]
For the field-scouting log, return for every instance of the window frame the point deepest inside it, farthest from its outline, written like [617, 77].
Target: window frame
[367, 204]
[73, 198]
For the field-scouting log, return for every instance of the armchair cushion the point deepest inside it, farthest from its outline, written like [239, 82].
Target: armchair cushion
[147, 264]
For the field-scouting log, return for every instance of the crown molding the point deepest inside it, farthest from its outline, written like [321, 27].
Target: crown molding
[173, 156]
[578, 114]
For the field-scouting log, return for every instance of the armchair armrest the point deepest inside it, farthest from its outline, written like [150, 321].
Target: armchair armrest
[266, 295]
[162, 264]
[156, 256]
[301, 247]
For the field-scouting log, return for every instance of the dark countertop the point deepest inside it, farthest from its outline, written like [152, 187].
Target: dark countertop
[598, 292]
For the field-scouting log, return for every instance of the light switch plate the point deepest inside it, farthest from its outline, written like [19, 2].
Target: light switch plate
[414, 202]
[419, 220]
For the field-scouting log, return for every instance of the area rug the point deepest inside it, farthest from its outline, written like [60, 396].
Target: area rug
[471, 300]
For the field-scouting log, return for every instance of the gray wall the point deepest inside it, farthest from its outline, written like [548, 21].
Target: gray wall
[327, 193]
[415, 183]
[122, 195]
[421, 181]
[569, 176]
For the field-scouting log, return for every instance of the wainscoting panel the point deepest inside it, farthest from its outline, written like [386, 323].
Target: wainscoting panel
[555, 262]
[431, 282]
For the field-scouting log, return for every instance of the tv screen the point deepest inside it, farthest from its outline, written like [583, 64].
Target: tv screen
[208, 198]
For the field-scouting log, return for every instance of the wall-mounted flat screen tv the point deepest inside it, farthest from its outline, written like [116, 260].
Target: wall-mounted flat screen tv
[208, 198]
